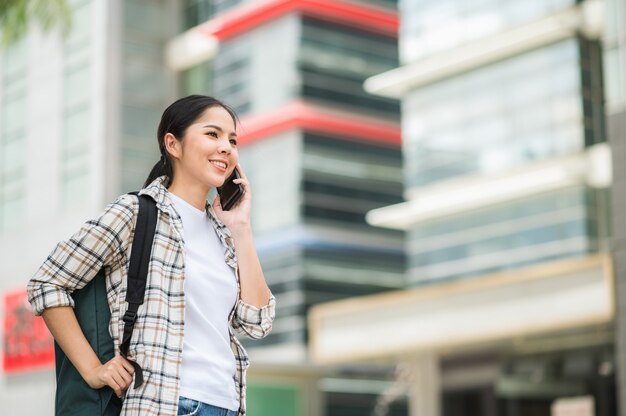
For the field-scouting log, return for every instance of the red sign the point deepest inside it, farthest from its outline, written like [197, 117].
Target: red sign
[27, 342]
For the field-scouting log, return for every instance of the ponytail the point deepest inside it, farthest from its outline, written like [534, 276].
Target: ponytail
[162, 167]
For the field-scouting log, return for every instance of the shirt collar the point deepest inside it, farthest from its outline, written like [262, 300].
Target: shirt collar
[158, 192]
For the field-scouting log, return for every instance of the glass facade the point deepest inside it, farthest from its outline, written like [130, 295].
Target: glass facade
[536, 106]
[255, 72]
[342, 180]
[345, 179]
[13, 135]
[431, 26]
[339, 254]
[567, 223]
[335, 61]
[492, 119]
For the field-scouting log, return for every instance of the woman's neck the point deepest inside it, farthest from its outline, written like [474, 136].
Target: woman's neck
[194, 194]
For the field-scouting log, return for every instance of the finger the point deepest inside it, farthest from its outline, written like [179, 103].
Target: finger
[116, 388]
[127, 365]
[127, 379]
[242, 182]
[241, 172]
[119, 380]
[124, 373]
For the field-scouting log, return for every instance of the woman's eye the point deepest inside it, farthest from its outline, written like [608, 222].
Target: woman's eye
[233, 142]
[212, 133]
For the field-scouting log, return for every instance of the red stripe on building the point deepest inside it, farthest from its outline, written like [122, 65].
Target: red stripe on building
[302, 116]
[248, 16]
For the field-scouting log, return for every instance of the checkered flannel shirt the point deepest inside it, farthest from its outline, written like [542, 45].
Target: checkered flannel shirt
[157, 339]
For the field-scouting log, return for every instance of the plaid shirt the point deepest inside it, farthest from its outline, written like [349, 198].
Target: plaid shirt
[157, 339]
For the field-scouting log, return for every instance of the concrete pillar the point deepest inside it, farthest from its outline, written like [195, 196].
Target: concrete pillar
[424, 385]
[617, 139]
[313, 402]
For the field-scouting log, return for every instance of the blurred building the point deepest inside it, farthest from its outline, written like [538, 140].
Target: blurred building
[320, 152]
[614, 51]
[506, 110]
[78, 120]
[507, 172]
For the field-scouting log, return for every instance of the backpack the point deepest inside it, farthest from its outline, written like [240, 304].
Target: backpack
[74, 397]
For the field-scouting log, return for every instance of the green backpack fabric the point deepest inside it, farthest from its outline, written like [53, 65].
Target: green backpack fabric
[74, 397]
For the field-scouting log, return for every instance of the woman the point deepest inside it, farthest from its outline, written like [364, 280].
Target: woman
[204, 280]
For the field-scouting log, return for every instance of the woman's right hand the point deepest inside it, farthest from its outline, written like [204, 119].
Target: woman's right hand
[116, 373]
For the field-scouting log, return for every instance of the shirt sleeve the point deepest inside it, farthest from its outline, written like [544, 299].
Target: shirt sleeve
[254, 322]
[74, 262]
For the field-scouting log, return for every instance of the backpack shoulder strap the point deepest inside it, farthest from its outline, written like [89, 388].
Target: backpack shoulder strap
[138, 272]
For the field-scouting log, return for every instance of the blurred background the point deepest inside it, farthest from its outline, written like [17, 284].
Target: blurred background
[439, 188]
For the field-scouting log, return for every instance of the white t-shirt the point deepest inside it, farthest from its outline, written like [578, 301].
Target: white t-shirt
[208, 363]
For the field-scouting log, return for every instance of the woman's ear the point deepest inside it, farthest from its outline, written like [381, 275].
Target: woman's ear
[172, 145]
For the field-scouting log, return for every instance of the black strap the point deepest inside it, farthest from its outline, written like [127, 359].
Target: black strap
[138, 273]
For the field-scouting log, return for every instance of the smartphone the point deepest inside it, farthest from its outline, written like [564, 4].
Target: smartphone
[230, 192]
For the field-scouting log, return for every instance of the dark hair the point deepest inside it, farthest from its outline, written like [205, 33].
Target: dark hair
[175, 119]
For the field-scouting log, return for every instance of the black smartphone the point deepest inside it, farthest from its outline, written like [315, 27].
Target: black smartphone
[230, 192]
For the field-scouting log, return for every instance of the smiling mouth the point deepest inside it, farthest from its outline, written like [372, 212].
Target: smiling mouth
[220, 165]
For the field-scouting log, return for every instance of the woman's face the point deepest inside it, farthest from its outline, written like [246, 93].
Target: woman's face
[208, 151]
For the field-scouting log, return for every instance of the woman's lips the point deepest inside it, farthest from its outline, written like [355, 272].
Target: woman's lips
[217, 166]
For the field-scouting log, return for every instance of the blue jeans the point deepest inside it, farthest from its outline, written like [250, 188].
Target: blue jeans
[189, 407]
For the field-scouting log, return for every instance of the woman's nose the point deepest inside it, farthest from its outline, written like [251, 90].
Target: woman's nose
[225, 146]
